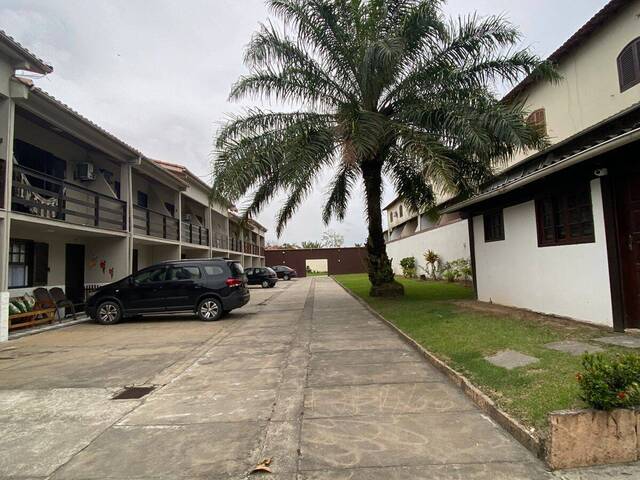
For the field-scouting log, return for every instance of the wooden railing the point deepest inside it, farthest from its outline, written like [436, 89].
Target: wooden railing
[195, 234]
[49, 197]
[235, 245]
[220, 241]
[155, 224]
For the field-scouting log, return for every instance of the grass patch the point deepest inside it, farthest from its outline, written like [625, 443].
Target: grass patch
[431, 314]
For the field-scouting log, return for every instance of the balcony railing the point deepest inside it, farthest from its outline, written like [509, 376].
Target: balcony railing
[235, 245]
[49, 197]
[220, 241]
[195, 234]
[155, 224]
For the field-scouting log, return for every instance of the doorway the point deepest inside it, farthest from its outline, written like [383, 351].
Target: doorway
[74, 273]
[135, 261]
[317, 267]
[628, 208]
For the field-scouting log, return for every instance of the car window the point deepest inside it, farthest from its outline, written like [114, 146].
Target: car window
[184, 272]
[270, 270]
[150, 275]
[249, 271]
[213, 270]
[236, 268]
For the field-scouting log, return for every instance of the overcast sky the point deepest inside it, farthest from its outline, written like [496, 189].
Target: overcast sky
[156, 73]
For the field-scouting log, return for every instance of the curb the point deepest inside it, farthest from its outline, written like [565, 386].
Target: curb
[47, 328]
[532, 443]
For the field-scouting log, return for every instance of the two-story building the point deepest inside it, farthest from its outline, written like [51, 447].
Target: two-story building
[559, 231]
[80, 208]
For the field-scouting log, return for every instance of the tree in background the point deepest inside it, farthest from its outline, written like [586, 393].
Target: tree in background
[311, 244]
[373, 88]
[331, 239]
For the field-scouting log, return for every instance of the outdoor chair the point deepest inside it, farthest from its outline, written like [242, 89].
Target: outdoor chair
[62, 301]
[43, 298]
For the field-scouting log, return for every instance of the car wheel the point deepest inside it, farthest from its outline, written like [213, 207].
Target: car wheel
[108, 313]
[209, 309]
[286, 277]
[265, 284]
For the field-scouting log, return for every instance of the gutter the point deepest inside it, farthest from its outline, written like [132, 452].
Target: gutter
[601, 148]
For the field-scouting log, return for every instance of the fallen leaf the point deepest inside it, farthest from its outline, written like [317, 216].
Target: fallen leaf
[262, 467]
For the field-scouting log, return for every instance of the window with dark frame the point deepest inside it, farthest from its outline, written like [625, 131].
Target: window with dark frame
[565, 217]
[18, 264]
[629, 65]
[493, 226]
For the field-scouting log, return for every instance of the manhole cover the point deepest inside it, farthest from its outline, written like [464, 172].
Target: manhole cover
[133, 392]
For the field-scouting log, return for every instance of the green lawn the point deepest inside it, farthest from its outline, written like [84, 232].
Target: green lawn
[463, 337]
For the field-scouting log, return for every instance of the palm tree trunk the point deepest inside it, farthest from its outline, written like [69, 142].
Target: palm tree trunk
[380, 271]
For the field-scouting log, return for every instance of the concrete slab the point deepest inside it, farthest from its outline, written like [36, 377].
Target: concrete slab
[627, 341]
[481, 471]
[390, 342]
[203, 407]
[415, 372]
[208, 377]
[445, 438]
[239, 362]
[362, 357]
[380, 399]
[573, 348]
[179, 451]
[510, 359]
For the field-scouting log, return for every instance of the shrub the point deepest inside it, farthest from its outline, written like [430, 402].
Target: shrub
[610, 382]
[450, 275]
[408, 265]
[433, 261]
[459, 269]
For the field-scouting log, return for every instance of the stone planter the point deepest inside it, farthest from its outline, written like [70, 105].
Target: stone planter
[580, 438]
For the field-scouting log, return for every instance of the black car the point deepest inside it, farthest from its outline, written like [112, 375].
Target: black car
[261, 276]
[284, 272]
[208, 287]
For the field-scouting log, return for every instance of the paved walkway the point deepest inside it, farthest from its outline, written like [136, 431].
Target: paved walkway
[304, 375]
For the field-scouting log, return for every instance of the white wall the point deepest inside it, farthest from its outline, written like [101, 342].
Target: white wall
[569, 280]
[450, 242]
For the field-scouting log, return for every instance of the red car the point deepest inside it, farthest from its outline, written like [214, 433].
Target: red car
[284, 272]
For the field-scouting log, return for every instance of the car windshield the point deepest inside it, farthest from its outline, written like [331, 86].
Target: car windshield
[269, 270]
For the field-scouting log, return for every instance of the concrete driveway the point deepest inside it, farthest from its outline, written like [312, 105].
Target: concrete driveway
[303, 375]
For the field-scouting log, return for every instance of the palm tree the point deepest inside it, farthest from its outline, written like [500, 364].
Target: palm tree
[374, 88]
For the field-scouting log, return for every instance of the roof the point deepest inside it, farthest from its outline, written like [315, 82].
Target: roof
[63, 106]
[579, 37]
[28, 60]
[392, 202]
[624, 126]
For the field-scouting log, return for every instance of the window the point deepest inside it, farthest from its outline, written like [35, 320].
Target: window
[143, 200]
[629, 65]
[493, 226]
[18, 264]
[150, 275]
[186, 272]
[171, 208]
[213, 270]
[538, 120]
[117, 188]
[565, 218]
[400, 210]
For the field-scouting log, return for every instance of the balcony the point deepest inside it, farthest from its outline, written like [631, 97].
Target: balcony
[195, 234]
[220, 241]
[155, 224]
[235, 245]
[48, 197]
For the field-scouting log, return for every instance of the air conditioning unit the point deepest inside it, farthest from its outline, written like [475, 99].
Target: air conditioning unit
[85, 172]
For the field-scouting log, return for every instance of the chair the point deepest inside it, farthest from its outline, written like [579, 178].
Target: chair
[44, 299]
[62, 301]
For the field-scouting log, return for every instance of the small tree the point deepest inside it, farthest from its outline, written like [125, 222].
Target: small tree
[408, 265]
[332, 239]
[311, 244]
[433, 260]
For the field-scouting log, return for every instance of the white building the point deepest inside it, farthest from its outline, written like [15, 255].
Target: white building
[559, 231]
[80, 208]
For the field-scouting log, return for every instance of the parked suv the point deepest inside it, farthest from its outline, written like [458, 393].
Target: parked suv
[208, 287]
[261, 276]
[284, 272]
